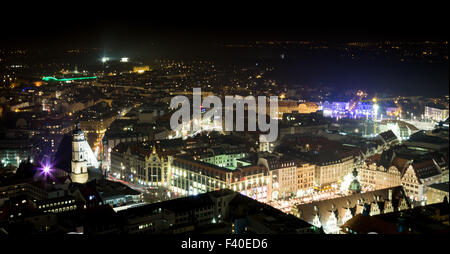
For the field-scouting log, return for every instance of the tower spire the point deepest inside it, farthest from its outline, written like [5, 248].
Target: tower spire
[355, 186]
[79, 171]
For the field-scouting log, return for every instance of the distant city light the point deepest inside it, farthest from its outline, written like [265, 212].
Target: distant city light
[105, 59]
[124, 59]
[67, 79]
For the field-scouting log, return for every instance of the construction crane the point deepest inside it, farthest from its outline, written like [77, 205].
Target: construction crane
[375, 114]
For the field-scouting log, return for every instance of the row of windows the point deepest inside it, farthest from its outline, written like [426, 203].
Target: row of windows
[411, 185]
[305, 181]
[305, 175]
[304, 186]
[63, 209]
[56, 204]
[144, 226]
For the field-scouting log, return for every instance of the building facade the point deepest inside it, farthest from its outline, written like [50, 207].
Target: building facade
[436, 114]
[79, 157]
[377, 177]
[305, 178]
[140, 165]
[192, 177]
[331, 214]
[282, 176]
[330, 172]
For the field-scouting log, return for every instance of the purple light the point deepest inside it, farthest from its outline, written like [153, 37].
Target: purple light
[46, 169]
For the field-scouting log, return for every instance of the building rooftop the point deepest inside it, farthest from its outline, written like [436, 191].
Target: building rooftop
[440, 186]
[340, 205]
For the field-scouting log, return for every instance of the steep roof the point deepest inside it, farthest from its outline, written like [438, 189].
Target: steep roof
[340, 205]
[425, 169]
[366, 224]
[388, 136]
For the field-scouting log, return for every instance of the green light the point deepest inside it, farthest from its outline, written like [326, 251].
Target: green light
[66, 79]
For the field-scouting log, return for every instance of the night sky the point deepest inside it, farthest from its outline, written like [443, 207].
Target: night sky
[193, 30]
[90, 23]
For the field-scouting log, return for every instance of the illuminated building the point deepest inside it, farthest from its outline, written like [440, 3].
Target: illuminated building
[345, 110]
[418, 176]
[15, 151]
[225, 158]
[402, 130]
[393, 111]
[331, 214]
[289, 106]
[141, 69]
[415, 175]
[158, 169]
[305, 178]
[140, 165]
[375, 176]
[251, 181]
[95, 120]
[436, 113]
[330, 171]
[437, 193]
[191, 177]
[307, 108]
[282, 176]
[79, 171]
[56, 205]
[112, 139]
[334, 109]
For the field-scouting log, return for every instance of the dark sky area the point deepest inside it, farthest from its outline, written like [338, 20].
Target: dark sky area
[117, 23]
[175, 29]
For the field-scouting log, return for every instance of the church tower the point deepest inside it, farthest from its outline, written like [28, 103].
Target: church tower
[79, 172]
[355, 186]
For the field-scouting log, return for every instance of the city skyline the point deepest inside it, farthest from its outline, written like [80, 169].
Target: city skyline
[247, 122]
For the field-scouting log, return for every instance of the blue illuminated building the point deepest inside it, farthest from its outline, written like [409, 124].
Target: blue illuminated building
[343, 110]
